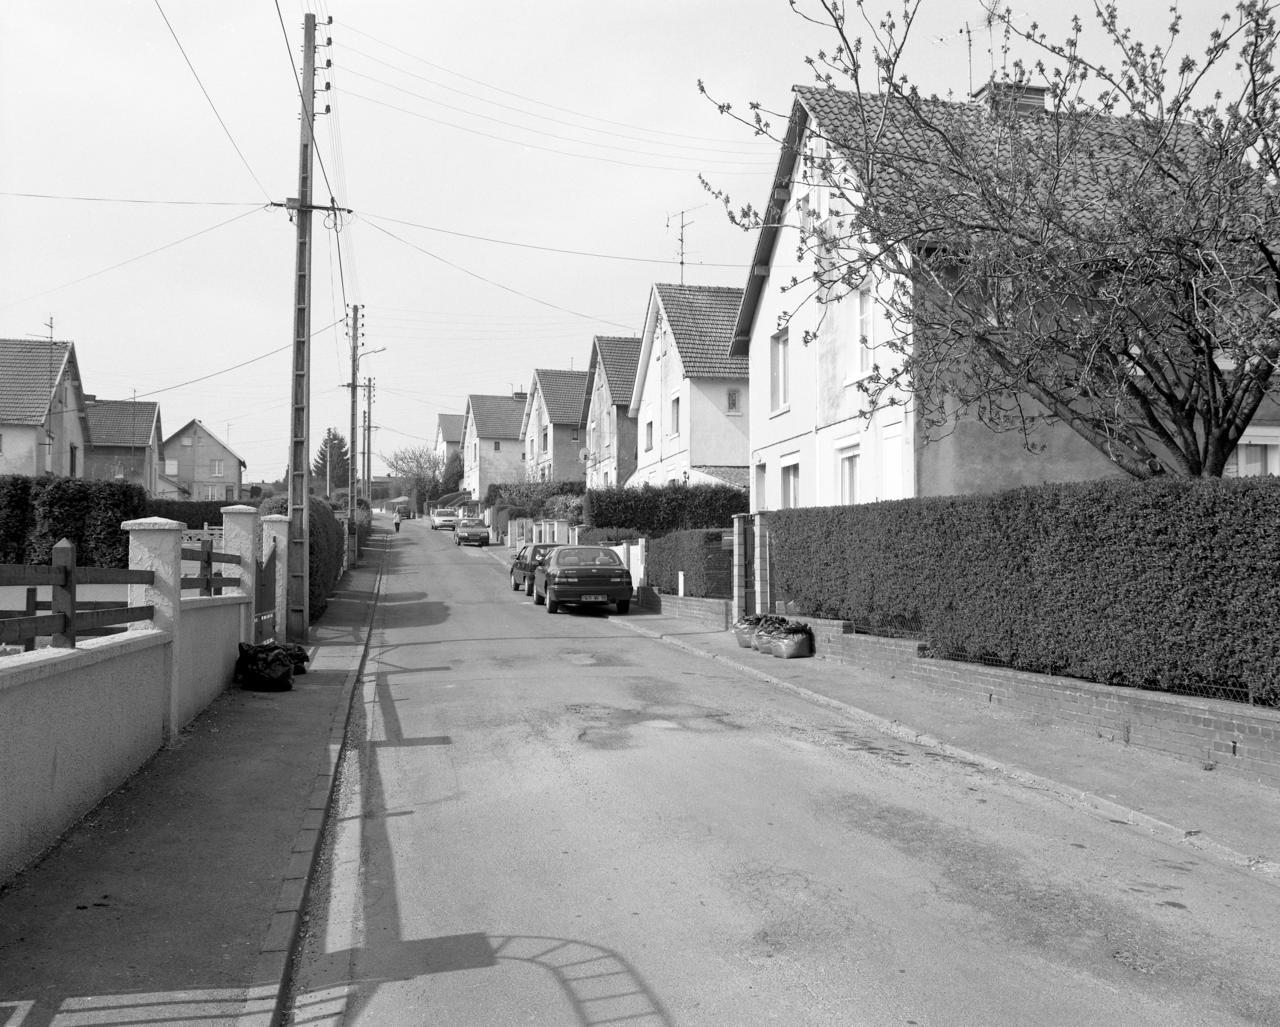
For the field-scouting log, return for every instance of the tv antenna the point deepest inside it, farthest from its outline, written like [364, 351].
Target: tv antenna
[683, 225]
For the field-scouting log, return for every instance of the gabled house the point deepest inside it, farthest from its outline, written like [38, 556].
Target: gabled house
[691, 397]
[201, 464]
[551, 426]
[126, 442]
[448, 435]
[43, 427]
[609, 442]
[491, 453]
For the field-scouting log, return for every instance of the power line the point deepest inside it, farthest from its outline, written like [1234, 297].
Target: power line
[498, 285]
[140, 256]
[128, 199]
[544, 249]
[529, 99]
[212, 106]
[545, 149]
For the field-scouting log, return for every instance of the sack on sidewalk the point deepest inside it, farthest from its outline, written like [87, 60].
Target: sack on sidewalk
[297, 654]
[264, 668]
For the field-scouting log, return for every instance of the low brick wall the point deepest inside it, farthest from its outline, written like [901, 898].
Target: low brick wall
[712, 613]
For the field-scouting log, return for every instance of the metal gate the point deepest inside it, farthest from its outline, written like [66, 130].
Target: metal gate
[264, 599]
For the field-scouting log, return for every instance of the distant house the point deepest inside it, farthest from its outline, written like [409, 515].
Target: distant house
[126, 442]
[690, 400]
[43, 427]
[491, 451]
[200, 463]
[449, 435]
[551, 426]
[610, 434]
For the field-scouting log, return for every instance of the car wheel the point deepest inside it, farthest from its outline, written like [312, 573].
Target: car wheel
[624, 606]
[552, 605]
[528, 586]
[538, 598]
[514, 586]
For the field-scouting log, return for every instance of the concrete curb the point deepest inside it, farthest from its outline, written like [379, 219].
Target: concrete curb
[264, 1001]
[1088, 801]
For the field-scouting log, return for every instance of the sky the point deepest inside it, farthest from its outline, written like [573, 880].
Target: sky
[517, 174]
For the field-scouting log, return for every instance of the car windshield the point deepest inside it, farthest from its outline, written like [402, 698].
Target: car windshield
[472, 524]
[583, 557]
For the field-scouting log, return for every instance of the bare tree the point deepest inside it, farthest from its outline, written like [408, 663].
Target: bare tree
[1109, 261]
[419, 468]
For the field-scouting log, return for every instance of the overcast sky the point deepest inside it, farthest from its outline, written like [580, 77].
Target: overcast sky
[565, 134]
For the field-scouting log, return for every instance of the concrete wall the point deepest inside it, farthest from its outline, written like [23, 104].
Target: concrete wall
[211, 629]
[18, 452]
[74, 725]
[717, 436]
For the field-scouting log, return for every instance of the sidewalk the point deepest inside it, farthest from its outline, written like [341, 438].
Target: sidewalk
[1220, 816]
[177, 900]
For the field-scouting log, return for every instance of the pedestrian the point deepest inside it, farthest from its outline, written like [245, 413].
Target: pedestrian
[396, 521]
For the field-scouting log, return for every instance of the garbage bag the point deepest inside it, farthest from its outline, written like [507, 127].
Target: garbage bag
[264, 668]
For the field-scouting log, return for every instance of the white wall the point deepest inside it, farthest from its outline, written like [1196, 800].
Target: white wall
[18, 453]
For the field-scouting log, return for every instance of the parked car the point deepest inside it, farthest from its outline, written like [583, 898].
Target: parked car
[469, 531]
[582, 576]
[524, 563]
[404, 512]
[443, 517]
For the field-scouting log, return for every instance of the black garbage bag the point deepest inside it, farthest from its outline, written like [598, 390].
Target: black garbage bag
[297, 654]
[264, 668]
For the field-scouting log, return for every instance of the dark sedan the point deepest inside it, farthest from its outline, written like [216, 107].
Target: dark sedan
[525, 561]
[582, 576]
[471, 532]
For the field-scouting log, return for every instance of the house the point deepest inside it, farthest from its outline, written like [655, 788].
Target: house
[816, 438]
[126, 442]
[609, 444]
[448, 435]
[43, 426]
[551, 426]
[201, 464]
[691, 396]
[491, 452]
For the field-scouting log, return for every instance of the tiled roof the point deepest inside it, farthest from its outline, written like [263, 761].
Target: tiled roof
[563, 393]
[497, 417]
[122, 422]
[727, 473]
[618, 358]
[29, 369]
[450, 426]
[702, 318]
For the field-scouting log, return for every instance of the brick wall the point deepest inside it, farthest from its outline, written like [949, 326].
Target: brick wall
[711, 613]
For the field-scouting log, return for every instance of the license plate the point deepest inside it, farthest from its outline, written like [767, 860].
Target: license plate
[595, 599]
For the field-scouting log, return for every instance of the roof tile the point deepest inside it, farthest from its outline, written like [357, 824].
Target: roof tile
[497, 417]
[29, 369]
[702, 319]
[563, 393]
[121, 422]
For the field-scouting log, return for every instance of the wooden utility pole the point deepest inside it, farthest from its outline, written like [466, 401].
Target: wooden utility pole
[352, 476]
[297, 616]
[368, 439]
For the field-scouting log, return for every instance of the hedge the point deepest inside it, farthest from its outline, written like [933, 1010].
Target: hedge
[326, 549]
[194, 513]
[37, 513]
[1166, 584]
[707, 566]
[537, 497]
[606, 536]
[659, 510]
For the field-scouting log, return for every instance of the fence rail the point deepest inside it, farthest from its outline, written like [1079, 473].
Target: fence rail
[209, 583]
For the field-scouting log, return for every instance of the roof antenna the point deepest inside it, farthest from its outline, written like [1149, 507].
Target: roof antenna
[969, 36]
[683, 225]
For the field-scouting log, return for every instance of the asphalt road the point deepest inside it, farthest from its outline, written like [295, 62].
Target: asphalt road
[553, 820]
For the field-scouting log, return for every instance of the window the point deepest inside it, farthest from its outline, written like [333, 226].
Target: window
[71, 461]
[575, 435]
[1, 443]
[544, 440]
[497, 446]
[790, 486]
[648, 436]
[675, 416]
[215, 469]
[731, 401]
[211, 492]
[848, 460]
[606, 479]
[475, 450]
[171, 467]
[186, 440]
[1252, 459]
[779, 373]
[231, 493]
[866, 328]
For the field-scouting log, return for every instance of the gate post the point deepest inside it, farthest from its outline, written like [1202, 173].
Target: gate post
[275, 527]
[742, 524]
[764, 586]
[240, 536]
[155, 544]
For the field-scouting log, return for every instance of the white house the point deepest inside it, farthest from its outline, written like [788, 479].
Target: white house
[551, 426]
[448, 435]
[201, 465]
[690, 400]
[491, 449]
[43, 425]
[609, 454]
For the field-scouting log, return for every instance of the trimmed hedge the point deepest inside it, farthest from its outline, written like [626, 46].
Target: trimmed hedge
[1168, 584]
[708, 568]
[37, 513]
[606, 536]
[194, 513]
[537, 497]
[327, 544]
[659, 510]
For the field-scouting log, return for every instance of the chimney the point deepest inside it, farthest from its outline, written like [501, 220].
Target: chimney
[521, 396]
[1023, 98]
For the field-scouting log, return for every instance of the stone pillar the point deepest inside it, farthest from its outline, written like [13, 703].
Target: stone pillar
[764, 587]
[155, 544]
[240, 537]
[275, 528]
[742, 523]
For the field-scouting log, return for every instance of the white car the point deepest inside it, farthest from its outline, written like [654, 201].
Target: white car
[444, 517]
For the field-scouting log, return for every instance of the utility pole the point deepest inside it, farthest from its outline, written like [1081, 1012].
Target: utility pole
[368, 438]
[351, 464]
[297, 617]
